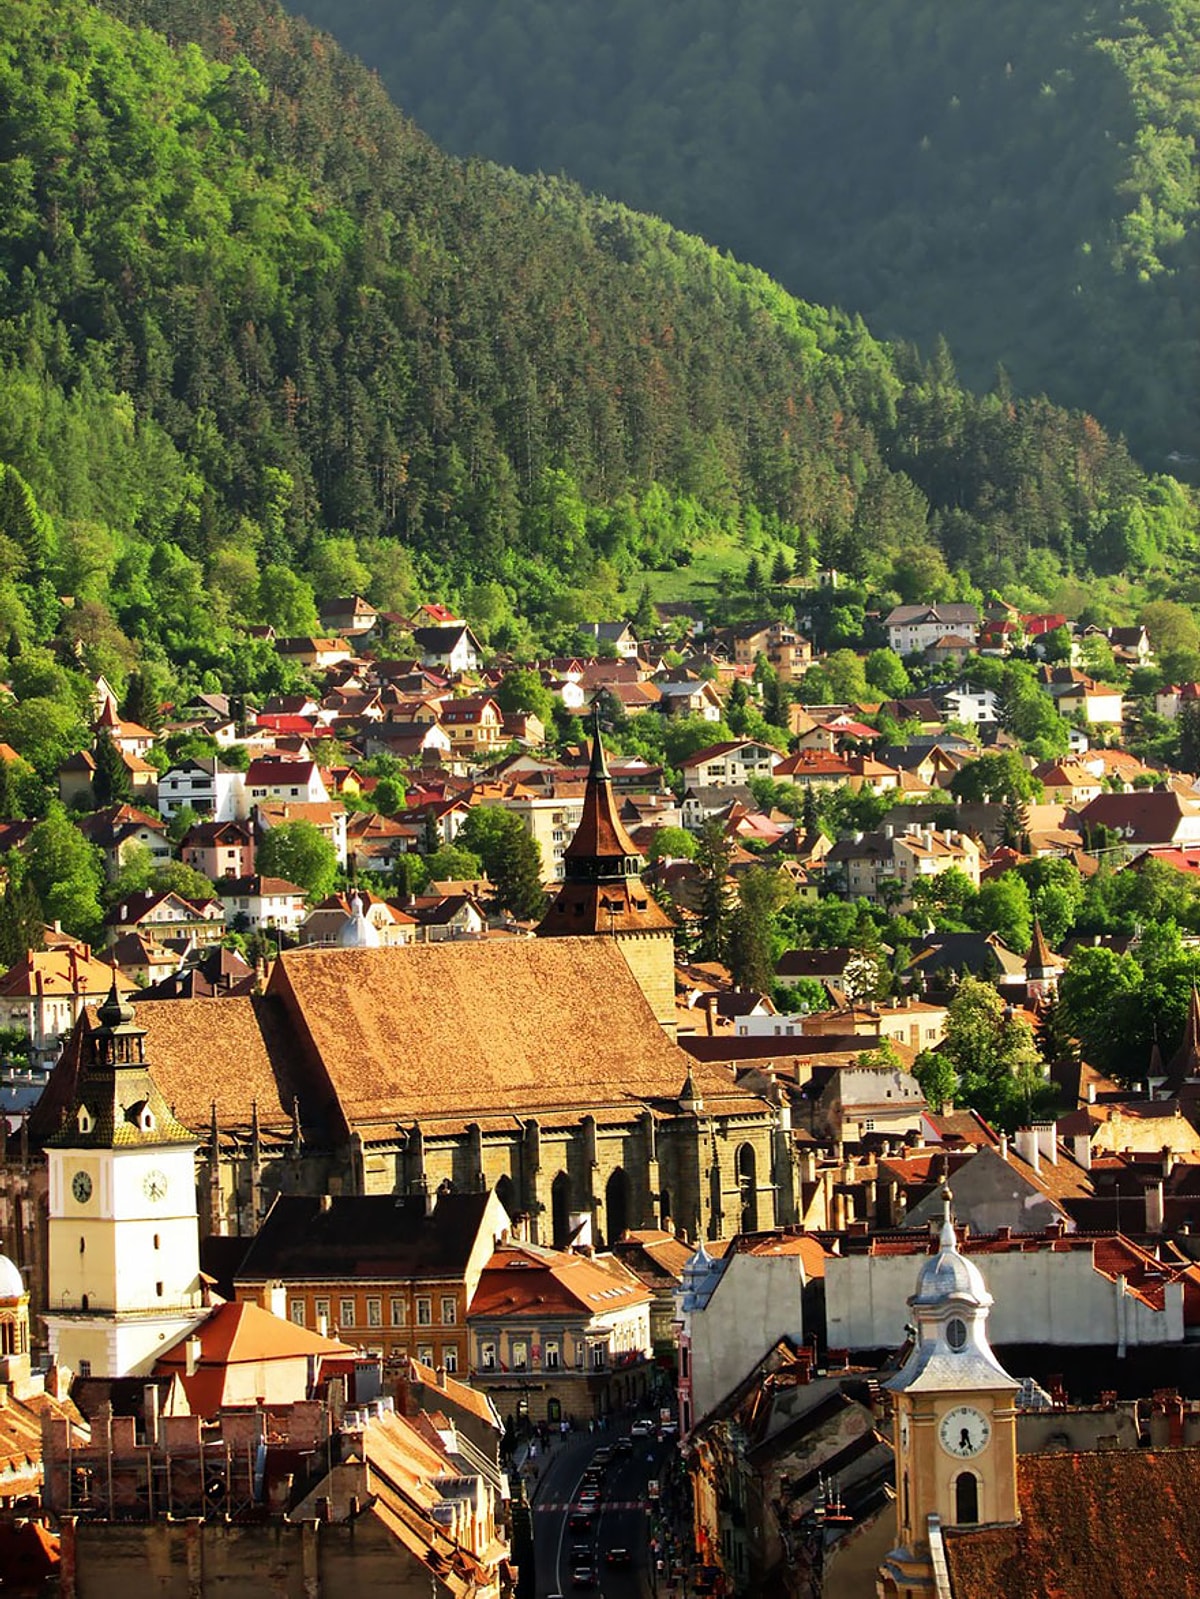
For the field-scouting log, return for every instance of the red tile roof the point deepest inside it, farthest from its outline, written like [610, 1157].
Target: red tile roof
[1119, 1522]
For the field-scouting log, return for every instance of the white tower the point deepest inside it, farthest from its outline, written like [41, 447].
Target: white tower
[954, 1421]
[124, 1266]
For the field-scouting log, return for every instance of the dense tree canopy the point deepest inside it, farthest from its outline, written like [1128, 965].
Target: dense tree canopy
[1017, 174]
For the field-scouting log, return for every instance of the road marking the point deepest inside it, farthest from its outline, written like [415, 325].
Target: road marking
[559, 1505]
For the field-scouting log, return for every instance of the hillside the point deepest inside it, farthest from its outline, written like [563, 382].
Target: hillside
[1020, 175]
[261, 340]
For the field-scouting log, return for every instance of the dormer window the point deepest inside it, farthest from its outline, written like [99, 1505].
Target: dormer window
[83, 1119]
[956, 1334]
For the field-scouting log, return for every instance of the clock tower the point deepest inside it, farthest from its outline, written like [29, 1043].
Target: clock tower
[124, 1266]
[954, 1422]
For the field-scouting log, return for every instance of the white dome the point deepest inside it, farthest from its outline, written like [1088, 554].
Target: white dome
[12, 1284]
[949, 1273]
[359, 932]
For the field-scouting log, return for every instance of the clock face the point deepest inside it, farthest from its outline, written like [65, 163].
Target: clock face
[154, 1185]
[81, 1187]
[964, 1432]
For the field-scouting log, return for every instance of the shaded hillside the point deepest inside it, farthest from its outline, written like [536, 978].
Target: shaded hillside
[261, 339]
[1020, 175]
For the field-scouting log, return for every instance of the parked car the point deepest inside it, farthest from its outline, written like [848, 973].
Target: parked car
[642, 1429]
[669, 1429]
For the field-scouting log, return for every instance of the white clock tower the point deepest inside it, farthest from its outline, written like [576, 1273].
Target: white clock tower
[954, 1422]
[124, 1266]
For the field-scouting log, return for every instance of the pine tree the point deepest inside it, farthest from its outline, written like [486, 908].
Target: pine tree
[141, 703]
[811, 815]
[754, 577]
[516, 873]
[751, 932]
[645, 617]
[712, 857]
[781, 569]
[110, 782]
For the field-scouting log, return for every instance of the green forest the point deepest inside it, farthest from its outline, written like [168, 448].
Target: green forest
[1020, 175]
[262, 343]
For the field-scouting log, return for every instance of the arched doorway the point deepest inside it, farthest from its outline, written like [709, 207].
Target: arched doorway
[966, 1499]
[747, 1176]
[616, 1206]
[506, 1193]
[560, 1210]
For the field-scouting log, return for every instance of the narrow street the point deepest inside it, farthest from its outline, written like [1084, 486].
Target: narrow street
[621, 1520]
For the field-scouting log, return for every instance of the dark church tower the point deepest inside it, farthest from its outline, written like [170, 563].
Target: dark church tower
[602, 894]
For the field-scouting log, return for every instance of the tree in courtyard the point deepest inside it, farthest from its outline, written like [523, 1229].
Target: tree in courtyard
[994, 1056]
[67, 874]
[300, 853]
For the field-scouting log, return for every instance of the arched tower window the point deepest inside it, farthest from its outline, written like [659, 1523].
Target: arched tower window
[616, 1205]
[747, 1176]
[966, 1499]
[560, 1209]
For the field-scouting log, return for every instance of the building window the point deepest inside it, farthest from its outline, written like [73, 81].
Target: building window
[424, 1312]
[520, 1355]
[550, 1356]
[487, 1357]
[449, 1311]
[399, 1312]
[868, 1125]
[450, 1357]
[158, 1289]
[599, 1357]
[346, 1312]
[374, 1312]
[85, 1368]
[321, 1311]
[425, 1354]
[296, 1312]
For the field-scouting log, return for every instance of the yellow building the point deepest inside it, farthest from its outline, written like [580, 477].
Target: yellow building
[124, 1268]
[954, 1424]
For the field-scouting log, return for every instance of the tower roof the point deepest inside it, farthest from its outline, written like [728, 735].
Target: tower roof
[117, 1103]
[1185, 1062]
[601, 840]
[601, 890]
[950, 1351]
[1040, 960]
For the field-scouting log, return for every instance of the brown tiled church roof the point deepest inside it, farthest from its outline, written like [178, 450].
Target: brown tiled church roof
[1119, 1522]
[457, 1030]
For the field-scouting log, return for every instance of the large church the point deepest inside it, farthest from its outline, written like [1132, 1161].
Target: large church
[541, 1067]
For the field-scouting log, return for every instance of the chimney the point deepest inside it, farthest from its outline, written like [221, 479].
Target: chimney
[1154, 1207]
[1047, 1138]
[1027, 1147]
[1168, 1160]
[1081, 1145]
[191, 1356]
[1091, 1092]
[1003, 1146]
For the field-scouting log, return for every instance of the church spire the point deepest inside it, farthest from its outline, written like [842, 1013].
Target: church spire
[601, 850]
[1185, 1063]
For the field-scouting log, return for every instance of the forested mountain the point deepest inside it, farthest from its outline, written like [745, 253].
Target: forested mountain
[260, 340]
[1020, 175]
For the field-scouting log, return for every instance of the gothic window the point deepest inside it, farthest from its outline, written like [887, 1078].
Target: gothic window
[747, 1176]
[506, 1194]
[560, 1209]
[616, 1205]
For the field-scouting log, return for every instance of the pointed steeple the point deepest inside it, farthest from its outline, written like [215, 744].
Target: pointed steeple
[690, 1097]
[1185, 1062]
[1039, 962]
[602, 891]
[601, 851]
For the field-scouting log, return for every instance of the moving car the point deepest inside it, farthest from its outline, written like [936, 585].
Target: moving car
[583, 1577]
[642, 1429]
[619, 1556]
[579, 1521]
